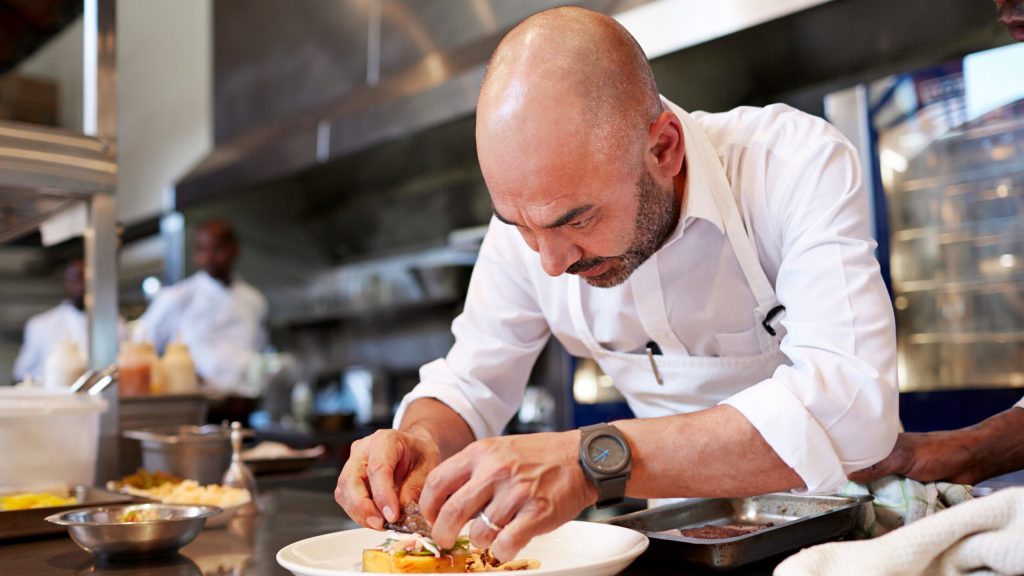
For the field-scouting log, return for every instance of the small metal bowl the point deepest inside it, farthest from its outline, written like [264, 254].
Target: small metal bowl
[99, 530]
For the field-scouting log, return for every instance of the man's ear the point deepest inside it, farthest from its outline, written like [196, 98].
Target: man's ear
[666, 145]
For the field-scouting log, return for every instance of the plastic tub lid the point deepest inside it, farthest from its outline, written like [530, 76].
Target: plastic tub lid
[34, 403]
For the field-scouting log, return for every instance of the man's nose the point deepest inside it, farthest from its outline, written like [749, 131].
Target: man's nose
[557, 255]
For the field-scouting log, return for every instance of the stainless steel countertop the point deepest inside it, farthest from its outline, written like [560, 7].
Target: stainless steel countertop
[247, 546]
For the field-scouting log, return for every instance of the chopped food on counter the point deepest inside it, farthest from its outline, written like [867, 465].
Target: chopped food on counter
[144, 479]
[27, 500]
[145, 515]
[190, 492]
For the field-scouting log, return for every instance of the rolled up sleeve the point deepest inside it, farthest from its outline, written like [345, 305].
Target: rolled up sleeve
[834, 409]
[497, 339]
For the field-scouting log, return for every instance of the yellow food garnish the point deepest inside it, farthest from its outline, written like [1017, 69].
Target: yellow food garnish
[27, 500]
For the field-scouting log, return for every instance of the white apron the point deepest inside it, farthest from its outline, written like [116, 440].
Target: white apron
[689, 383]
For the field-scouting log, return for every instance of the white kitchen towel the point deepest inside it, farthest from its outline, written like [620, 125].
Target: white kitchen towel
[898, 501]
[981, 536]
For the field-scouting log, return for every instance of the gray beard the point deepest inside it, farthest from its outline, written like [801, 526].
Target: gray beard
[656, 218]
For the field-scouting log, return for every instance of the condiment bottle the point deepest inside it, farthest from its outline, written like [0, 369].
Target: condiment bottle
[63, 366]
[135, 368]
[179, 371]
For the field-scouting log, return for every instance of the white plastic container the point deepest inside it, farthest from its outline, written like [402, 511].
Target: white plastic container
[48, 437]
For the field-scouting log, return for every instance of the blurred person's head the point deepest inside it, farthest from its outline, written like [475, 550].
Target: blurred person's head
[1011, 14]
[74, 283]
[216, 249]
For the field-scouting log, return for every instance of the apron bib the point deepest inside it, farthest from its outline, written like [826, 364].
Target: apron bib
[689, 383]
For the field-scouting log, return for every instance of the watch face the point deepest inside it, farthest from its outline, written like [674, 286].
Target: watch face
[606, 453]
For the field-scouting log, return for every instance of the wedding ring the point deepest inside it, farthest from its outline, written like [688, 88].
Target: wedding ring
[488, 522]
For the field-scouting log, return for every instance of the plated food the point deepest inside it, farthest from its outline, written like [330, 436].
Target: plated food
[574, 549]
[403, 553]
[409, 549]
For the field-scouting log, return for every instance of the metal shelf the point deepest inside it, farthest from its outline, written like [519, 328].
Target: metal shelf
[44, 171]
[966, 337]
[987, 172]
[951, 286]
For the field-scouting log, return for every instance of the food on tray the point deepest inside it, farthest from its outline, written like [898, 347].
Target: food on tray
[405, 553]
[276, 450]
[27, 500]
[144, 515]
[144, 480]
[190, 492]
[711, 531]
[409, 549]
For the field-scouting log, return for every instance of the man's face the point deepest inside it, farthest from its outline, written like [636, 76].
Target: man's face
[74, 283]
[1011, 15]
[601, 229]
[215, 253]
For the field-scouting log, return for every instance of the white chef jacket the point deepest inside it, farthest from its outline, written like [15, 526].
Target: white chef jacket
[223, 326]
[43, 332]
[797, 184]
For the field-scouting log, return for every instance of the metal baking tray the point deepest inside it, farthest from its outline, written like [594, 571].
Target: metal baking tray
[798, 521]
[31, 522]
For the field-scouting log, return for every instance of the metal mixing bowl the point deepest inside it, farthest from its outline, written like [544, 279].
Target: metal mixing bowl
[100, 530]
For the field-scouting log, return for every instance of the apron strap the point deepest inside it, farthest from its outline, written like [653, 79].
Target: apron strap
[768, 307]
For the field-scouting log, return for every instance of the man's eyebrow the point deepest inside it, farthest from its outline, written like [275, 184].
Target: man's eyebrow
[562, 221]
[571, 215]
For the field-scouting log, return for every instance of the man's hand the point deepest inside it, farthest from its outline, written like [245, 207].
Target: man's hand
[384, 470]
[965, 456]
[927, 457]
[527, 485]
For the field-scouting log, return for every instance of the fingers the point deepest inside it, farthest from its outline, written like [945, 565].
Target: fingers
[501, 510]
[458, 510]
[442, 482]
[532, 520]
[354, 497]
[380, 471]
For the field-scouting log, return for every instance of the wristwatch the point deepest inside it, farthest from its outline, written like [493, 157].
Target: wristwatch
[606, 460]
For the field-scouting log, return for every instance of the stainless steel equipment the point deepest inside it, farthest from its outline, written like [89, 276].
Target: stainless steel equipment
[946, 162]
[101, 531]
[32, 522]
[798, 521]
[200, 453]
[238, 474]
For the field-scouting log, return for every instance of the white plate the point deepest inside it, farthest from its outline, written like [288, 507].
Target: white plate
[577, 548]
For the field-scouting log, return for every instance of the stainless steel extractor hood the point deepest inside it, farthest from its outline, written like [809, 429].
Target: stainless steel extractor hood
[329, 78]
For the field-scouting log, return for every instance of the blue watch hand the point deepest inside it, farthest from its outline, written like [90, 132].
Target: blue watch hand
[602, 456]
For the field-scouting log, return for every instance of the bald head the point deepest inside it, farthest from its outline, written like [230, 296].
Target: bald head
[216, 249]
[568, 75]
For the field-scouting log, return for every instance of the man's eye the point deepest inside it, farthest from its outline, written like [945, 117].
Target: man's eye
[580, 223]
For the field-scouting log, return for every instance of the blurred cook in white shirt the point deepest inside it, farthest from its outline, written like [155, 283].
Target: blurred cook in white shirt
[219, 316]
[66, 321]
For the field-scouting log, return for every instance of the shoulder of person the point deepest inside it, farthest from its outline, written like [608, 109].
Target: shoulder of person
[181, 290]
[785, 132]
[251, 295]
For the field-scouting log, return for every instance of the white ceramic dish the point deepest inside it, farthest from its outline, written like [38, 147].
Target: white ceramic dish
[575, 549]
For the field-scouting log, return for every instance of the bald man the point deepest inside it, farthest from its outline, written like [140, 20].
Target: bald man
[718, 267]
[219, 316]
